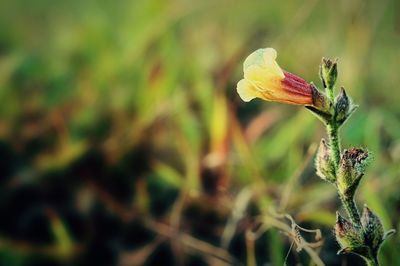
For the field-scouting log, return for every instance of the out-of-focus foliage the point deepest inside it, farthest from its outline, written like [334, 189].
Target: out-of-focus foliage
[123, 141]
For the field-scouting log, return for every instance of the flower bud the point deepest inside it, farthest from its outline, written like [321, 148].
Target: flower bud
[342, 105]
[328, 73]
[348, 236]
[373, 229]
[352, 167]
[324, 164]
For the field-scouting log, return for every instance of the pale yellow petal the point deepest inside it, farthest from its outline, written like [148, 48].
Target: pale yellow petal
[269, 53]
[262, 71]
[247, 91]
[262, 78]
[255, 58]
[265, 58]
[269, 56]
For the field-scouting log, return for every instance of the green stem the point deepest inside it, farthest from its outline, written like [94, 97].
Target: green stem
[329, 93]
[348, 202]
[351, 210]
[372, 261]
[334, 143]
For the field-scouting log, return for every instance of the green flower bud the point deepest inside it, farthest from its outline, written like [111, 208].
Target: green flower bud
[324, 164]
[348, 236]
[352, 167]
[373, 229]
[328, 73]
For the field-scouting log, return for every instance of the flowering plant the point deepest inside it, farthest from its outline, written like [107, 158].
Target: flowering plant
[263, 78]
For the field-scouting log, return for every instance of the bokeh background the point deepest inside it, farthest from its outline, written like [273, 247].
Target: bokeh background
[123, 141]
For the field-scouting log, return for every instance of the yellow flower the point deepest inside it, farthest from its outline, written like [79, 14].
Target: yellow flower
[263, 78]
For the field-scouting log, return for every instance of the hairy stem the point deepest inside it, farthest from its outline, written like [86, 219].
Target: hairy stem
[348, 202]
[351, 210]
[373, 261]
[329, 93]
[334, 143]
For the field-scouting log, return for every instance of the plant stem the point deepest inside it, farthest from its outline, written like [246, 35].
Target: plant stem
[334, 143]
[372, 261]
[351, 209]
[329, 93]
[348, 202]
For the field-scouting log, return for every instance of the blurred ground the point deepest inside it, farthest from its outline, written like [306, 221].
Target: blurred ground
[123, 141]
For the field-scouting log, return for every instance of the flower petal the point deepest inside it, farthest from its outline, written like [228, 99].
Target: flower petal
[269, 56]
[263, 78]
[256, 58]
[261, 69]
[247, 91]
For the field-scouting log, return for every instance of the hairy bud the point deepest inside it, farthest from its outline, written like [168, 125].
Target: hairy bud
[328, 73]
[342, 105]
[373, 229]
[324, 164]
[352, 167]
[348, 236]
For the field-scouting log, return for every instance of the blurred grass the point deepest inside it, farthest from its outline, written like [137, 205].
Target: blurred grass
[114, 113]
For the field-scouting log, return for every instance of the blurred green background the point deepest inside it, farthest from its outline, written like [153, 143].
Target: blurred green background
[123, 140]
